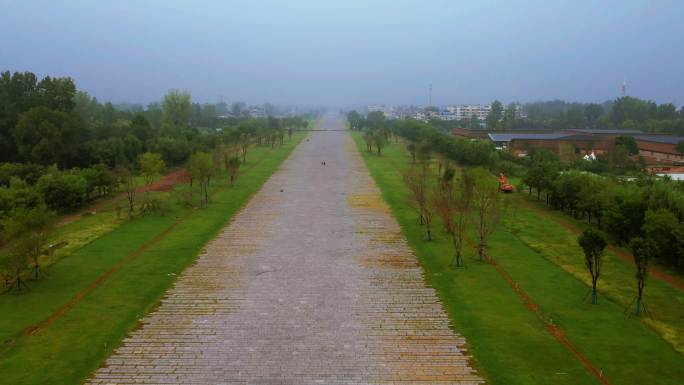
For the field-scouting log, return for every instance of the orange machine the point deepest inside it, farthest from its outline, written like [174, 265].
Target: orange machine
[504, 186]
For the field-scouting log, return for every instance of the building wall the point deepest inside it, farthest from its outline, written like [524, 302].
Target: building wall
[470, 134]
[659, 153]
[565, 149]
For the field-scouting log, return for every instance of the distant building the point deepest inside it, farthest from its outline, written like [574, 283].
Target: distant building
[575, 143]
[389, 112]
[659, 149]
[466, 111]
[257, 111]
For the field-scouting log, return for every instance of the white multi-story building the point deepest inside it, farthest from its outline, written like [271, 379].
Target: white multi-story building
[389, 112]
[466, 111]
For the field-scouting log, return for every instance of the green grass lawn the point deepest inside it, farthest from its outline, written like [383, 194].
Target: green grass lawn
[510, 343]
[71, 347]
[558, 244]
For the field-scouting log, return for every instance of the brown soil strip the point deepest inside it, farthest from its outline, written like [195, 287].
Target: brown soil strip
[555, 330]
[166, 183]
[623, 254]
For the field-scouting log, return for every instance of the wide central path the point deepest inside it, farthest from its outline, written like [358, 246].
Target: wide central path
[312, 282]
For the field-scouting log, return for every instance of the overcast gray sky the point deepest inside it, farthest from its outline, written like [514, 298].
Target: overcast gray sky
[352, 52]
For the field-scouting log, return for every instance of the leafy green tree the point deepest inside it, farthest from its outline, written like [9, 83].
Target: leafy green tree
[30, 230]
[474, 123]
[630, 144]
[593, 243]
[176, 108]
[63, 191]
[238, 109]
[355, 121]
[142, 129]
[126, 178]
[541, 175]
[57, 93]
[594, 197]
[680, 147]
[151, 166]
[495, 115]
[48, 136]
[664, 232]
[87, 107]
[627, 108]
[201, 168]
[592, 112]
[643, 251]
[375, 120]
[379, 139]
[623, 217]
[18, 93]
[509, 116]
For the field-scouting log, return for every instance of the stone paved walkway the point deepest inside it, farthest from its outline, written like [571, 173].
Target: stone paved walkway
[311, 285]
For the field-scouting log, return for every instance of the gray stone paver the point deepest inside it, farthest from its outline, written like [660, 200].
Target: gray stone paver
[312, 285]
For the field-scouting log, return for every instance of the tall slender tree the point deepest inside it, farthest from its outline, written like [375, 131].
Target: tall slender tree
[593, 244]
[487, 204]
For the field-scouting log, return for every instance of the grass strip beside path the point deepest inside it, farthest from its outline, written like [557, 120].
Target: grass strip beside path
[510, 343]
[71, 346]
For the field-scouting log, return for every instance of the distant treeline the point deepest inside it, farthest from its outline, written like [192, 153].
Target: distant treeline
[624, 113]
[61, 148]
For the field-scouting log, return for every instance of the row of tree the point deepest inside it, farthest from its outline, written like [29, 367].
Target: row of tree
[593, 244]
[471, 197]
[649, 208]
[623, 113]
[646, 214]
[27, 211]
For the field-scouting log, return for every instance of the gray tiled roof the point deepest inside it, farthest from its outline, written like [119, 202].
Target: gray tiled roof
[670, 139]
[508, 136]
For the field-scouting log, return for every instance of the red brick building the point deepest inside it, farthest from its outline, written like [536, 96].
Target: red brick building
[573, 144]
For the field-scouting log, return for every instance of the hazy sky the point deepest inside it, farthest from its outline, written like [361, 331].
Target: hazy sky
[352, 52]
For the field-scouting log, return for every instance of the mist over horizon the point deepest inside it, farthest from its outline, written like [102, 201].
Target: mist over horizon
[346, 54]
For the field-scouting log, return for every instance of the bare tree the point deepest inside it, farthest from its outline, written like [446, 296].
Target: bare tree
[487, 205]
[416, 179]
[201, 168]
[126, 179]
[245, 141]
[151, 166]
[368, 138]
[232, 166]
[452, 204]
